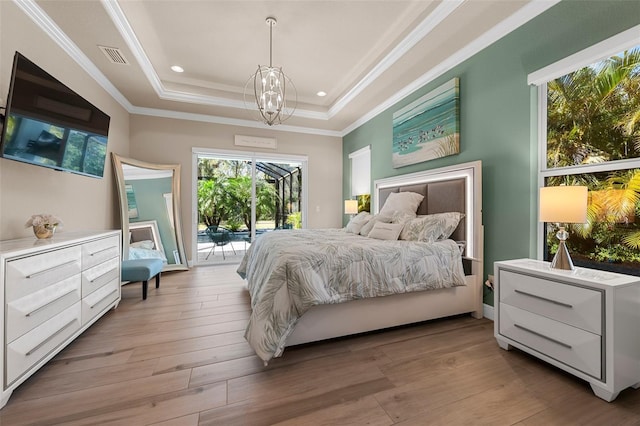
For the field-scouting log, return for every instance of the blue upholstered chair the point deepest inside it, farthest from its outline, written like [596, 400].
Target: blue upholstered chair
[142, 270]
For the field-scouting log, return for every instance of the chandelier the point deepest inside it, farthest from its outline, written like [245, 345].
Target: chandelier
[270, 89]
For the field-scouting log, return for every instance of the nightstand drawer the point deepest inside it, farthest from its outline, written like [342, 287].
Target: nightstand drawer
[576, 348]
[576, 306]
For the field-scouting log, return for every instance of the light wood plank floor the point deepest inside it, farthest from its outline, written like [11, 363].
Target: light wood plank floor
[179, 358]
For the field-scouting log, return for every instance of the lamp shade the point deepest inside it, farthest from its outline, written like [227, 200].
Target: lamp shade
[563, 204]
[350, 206]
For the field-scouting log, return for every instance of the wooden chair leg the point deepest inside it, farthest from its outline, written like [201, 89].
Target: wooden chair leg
[158, 280]
[144, 289]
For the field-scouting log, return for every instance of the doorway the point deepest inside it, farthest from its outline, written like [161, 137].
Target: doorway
[239, 196]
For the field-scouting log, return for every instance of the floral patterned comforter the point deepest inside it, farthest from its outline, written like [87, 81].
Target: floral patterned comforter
[290, 271]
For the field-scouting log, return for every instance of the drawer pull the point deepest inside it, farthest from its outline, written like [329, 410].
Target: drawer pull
[100, 301]
[100, 251]
[543, 336]
[555, 302]
[45, 341]
[44, 271]
[101, 275]
[49, 303]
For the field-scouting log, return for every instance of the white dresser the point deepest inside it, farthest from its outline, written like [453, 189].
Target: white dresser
[586, 322]
[53, 290]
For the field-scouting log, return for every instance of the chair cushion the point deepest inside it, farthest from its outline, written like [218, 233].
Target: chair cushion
[140, 269]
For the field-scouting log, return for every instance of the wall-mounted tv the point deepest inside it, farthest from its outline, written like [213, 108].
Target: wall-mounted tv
[50, 125]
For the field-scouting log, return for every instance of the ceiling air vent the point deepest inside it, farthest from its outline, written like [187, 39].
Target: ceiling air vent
[114, 55]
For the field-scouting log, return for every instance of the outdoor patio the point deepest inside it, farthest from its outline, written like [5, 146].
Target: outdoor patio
[233, 252]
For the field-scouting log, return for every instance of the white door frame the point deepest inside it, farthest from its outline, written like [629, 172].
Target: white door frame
[227, 154]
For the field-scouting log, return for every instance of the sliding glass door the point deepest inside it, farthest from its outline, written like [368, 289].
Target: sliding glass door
[239, 196]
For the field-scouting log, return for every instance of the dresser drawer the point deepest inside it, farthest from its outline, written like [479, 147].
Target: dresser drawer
[576, 306]
[24, 352]
[33, 273]
[574, 347]
[32, 310]
[99, 275]
[96, 302]
[98, 251]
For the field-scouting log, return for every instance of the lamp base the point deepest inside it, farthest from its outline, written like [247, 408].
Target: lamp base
[562, 260]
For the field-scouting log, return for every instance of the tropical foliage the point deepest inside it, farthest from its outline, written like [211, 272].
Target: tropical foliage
[594, 117]
[224, 194]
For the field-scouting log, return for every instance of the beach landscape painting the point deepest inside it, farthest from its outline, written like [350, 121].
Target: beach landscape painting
[429, 127]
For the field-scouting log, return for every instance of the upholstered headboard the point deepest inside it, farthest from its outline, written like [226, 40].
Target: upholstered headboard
[454, 188]
[141, 234]
[439, 197]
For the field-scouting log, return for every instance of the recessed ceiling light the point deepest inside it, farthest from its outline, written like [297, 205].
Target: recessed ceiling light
[321, 93]
[177, 68]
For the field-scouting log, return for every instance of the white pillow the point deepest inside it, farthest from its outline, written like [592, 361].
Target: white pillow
[367, 227]
[357, 222]
[406, 202]
[145, 244]
[386, 231]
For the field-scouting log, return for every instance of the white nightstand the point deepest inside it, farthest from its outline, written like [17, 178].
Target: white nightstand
[586, 322]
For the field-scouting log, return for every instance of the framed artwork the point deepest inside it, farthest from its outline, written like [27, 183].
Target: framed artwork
[132, 207]
[146, 230]
[429, 127]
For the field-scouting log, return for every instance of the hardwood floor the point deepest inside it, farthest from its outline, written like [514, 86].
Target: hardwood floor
[179, 358]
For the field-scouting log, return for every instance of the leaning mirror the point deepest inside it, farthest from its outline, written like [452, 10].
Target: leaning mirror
[150, 211]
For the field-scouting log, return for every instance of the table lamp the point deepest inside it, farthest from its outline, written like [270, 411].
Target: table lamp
[351, 207]
[563, 204]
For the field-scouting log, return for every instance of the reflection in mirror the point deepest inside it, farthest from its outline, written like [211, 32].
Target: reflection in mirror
[150, 211]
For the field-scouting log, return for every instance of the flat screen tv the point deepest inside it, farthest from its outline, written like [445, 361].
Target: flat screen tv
[50, 125]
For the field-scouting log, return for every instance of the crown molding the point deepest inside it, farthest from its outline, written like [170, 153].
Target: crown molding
[126, 31]
[42, 20]
[37, 15]
[517, 19]
[120, 21]
[443, 10]
[204, 118]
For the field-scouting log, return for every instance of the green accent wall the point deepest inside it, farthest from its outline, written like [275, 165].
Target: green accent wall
[498, 122]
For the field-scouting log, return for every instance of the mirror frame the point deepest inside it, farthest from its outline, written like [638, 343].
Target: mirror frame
[118, 161]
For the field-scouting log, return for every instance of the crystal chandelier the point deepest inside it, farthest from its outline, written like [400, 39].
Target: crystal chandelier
[270, 88]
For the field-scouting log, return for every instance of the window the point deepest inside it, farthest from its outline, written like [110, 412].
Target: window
[361, 177]
[590, 135]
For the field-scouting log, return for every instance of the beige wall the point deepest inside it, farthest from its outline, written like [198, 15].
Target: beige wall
[169, 141]
[83, 203]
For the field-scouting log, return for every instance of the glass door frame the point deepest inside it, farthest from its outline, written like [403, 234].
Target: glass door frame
[253, 157]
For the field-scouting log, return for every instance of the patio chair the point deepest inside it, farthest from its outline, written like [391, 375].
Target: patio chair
[220, 237]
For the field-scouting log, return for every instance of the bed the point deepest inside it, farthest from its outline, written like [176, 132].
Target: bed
[274, 268]
[145, 242]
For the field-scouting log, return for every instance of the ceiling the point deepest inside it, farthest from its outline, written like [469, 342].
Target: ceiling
[366, 55]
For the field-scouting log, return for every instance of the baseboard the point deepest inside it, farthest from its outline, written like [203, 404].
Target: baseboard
[487, 311]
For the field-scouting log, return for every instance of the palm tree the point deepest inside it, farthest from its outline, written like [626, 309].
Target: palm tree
[213, 200]
[582, 107]
[594, 116]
